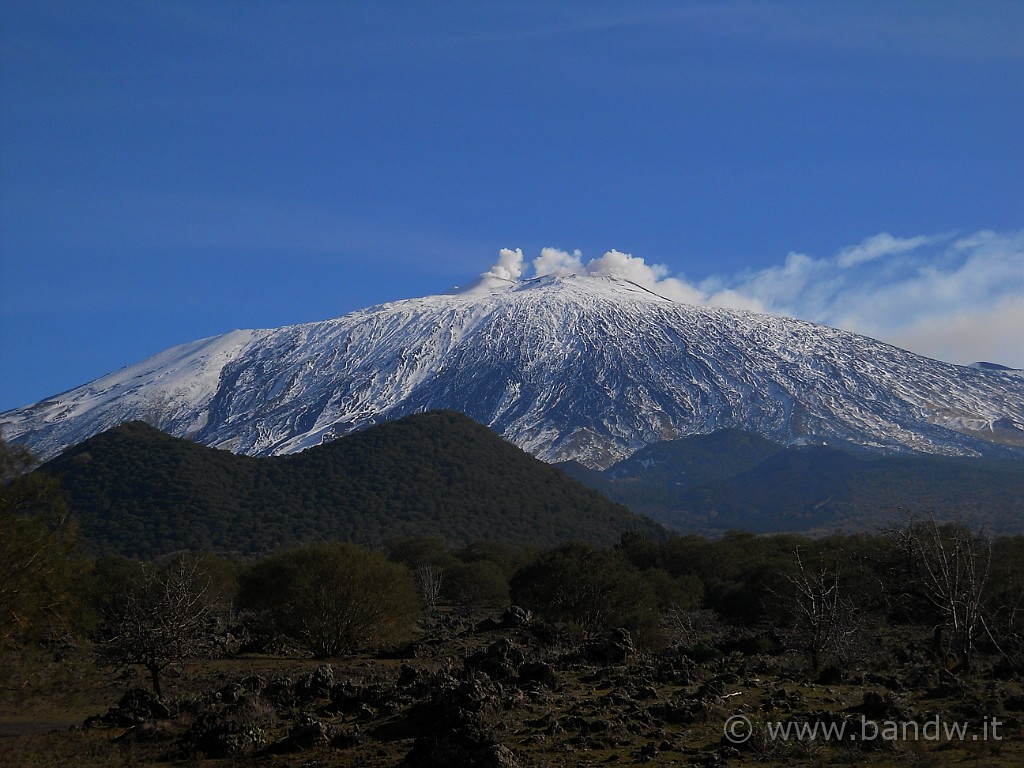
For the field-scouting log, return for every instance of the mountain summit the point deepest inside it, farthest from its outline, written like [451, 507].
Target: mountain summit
[578, 368]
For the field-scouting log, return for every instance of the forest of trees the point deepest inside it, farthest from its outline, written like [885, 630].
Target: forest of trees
[832, 599]
[139, 492]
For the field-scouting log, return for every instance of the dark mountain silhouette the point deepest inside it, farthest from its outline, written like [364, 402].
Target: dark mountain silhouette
[731, 480]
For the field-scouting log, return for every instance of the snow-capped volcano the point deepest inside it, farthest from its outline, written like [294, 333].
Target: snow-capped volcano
[578, 367]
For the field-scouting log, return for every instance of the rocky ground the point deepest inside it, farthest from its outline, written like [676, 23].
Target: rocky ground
[506, 690]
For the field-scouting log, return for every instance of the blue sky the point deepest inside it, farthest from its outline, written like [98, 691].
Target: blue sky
[170, 171]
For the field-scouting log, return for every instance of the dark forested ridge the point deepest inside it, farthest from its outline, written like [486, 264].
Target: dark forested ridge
[731, 480]
[138, 491]
[135, 490]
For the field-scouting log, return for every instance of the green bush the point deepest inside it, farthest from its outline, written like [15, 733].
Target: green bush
[38, 554]
[332, 598]
[684, 592]
[415, 551]
[593, 588]
[480, 582]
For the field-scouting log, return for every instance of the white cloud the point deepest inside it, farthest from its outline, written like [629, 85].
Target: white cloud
[960, 300]
[990, 333]
[957, 301]
[878, 246]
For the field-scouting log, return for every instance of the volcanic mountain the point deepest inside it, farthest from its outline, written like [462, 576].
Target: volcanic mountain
[577, 368]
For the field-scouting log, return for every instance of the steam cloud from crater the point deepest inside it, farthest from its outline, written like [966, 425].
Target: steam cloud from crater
[959, 299]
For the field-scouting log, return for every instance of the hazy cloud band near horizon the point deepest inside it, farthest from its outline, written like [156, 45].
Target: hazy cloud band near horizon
[958, 298]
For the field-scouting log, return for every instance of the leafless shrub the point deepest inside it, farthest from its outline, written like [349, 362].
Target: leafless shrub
[948, 566]
[159, 620]
[429, 582]
[685, 626]
[825, 621]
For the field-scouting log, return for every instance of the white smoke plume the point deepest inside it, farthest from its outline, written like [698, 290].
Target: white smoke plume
[959, 299]
[510, 265]
[555, 262]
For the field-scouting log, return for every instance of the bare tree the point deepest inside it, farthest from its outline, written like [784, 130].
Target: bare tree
[825, 620]
[686, 625]
[949, 568]
[429, 581]
[159, 620]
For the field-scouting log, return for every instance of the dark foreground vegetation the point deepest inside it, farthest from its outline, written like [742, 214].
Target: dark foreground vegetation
[907, 644]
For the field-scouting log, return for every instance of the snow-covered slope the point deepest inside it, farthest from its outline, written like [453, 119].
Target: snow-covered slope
[585, 368]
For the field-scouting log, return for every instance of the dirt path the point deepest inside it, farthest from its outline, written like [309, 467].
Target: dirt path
[31, 727]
